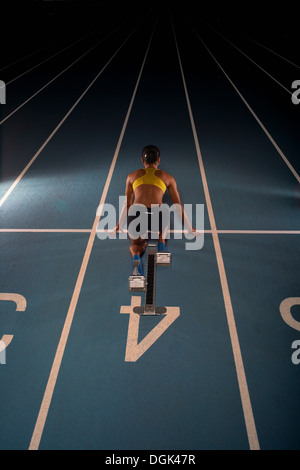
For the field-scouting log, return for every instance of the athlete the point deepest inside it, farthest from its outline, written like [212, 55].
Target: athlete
[144, 193]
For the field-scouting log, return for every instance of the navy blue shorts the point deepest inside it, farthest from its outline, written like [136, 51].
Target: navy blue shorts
[147, 222]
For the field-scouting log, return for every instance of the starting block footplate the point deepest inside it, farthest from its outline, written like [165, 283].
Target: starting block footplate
[163, 259]
[137, 283]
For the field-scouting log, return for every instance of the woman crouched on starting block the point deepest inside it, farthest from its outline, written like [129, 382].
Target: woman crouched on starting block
[144, 196]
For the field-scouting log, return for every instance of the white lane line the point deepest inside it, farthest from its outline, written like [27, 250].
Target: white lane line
[242, 232]
[51, 57]
[21, 59]
[11, 188]
[44, 230]
[56, 76]
[82, 230]
[260, 232]
[43, 412]
[292, 169]
[251, 60]
[241, 376]
[273, 52]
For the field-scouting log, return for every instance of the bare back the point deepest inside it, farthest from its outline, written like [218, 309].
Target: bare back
[148, 194]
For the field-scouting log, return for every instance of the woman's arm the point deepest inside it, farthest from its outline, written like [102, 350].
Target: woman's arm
[127, 203]
[174, 194]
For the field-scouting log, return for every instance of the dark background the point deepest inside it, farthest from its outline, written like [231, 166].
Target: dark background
[28, 19]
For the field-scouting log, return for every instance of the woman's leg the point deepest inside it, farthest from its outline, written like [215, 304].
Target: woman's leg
[137, 248]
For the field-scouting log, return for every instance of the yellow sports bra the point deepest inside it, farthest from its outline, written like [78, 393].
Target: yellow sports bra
[150, 178]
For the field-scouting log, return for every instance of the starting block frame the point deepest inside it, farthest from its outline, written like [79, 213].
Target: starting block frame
[139, 283]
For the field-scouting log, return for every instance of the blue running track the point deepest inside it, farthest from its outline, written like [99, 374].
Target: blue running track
[84, 94]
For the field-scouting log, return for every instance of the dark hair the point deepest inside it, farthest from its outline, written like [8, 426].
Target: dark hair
[150, 153]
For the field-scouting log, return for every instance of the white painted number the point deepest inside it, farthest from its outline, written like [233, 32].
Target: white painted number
[285, 310]
[21, 303]
[135, 350]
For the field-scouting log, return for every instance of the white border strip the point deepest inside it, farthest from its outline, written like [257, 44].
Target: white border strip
[241, 376]
[42, 416]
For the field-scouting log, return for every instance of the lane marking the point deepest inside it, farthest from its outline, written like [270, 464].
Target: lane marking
[51, 57]
[270, 50]
[56, 76]
[8, 192]
[21, 59]
[43, 412]
[19, 300]
[290, 166]
[249, 58]
[285, 311]
[261, 232]
[135, 350]
[21, 305]
[241, 376]
[82, 230]
[5, 341]
[44, 230]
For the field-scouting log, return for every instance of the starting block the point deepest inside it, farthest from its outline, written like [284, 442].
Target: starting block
[154, 259]
[163, 259]
[137, 283]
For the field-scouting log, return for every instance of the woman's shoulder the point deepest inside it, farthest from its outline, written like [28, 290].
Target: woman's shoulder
[135, 174]
[166, 177]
